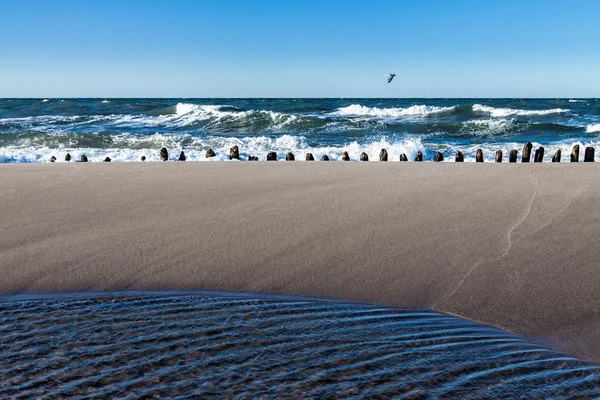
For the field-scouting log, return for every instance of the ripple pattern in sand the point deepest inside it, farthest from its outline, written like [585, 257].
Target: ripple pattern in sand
[236, 347]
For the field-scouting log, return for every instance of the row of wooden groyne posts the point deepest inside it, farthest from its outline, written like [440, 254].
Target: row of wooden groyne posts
[234, 153]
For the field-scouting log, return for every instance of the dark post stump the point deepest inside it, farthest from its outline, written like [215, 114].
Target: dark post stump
[252, 158]
[83, 158]
[512, 156]
[234, 153]
[479, 156]
[345, 156]
[575, 153]
[383, 155]
[419, 156]
[182, 156]
[67, 157]
[290, 157]
[539, 155]
[556, 157]
[459, 157]
[52, 159]
[438, 157]
[498, 155]
[364, 156]
[589, 154]
[143, 158]
[272, 156]
[403, 157]
[210, 153]
[164, 154]
[526, 152]
[107, 159]
[325, 158]
[310, 157]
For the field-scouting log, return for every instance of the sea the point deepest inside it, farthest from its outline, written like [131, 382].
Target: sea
[243, 346]
[34, 130]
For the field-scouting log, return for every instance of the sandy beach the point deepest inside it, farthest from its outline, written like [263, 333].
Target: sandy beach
[511, 245]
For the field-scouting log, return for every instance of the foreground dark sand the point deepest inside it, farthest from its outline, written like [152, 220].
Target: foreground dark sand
[512, 245]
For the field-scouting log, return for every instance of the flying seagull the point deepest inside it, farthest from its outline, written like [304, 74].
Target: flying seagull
[390, 77]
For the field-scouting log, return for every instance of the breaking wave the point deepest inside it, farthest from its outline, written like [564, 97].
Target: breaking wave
[593, 128]
[357, 110]
[506, 112]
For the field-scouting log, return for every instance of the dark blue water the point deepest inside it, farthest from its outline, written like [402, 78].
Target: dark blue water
[32, 130]
[207, 346]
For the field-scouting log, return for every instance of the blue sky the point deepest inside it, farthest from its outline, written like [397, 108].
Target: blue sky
[304, 48]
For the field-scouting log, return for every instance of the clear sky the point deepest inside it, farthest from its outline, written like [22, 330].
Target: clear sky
[303, 48]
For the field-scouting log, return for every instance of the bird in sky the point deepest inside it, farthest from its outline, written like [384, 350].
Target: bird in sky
[390, 77]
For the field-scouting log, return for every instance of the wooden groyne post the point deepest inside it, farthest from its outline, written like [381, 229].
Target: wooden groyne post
[539, 155]
[575, 153]
[589, 154]
[512, 156]
[479, 156]
[499, 156]
[526, 152]
[557, 155]
[383, 155]
[459, 157]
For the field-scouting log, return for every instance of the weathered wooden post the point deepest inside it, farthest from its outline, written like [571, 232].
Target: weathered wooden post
[556, 157]
[526, 152]
[290, 157]
[364, 156]
[383, 155]
[182, 156]
[419, 156]
[309, 157]
[143, 158]
[52, 159]
[234, 152]
[68, 157]
[403, 157]
[512, 156]
[345, 156]
[164, 154]
[438, 157]
[252, 158]
[272, 156]
[459, 157]
[107, 159]
[210, 153]
[575, 153]
[498, 155]
[589, 154]
[539, 155]
[325, 158]
[83, 158]
[479, 156]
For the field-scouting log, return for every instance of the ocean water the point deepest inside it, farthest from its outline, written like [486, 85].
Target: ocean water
[232, 346]
[32, 130]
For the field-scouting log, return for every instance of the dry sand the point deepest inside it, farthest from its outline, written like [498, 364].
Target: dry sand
[515, 246]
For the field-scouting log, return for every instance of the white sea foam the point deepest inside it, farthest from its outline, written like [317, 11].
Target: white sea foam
[105, 101]
[45, 100]
[577, 101]
[356, 110]
[593, 128]
[506, 112]
[131, 147]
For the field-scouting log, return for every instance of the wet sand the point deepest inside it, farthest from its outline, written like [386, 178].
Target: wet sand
[514, 246]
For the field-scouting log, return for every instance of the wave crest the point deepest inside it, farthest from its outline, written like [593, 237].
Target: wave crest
[356, 110]
[506, 112]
